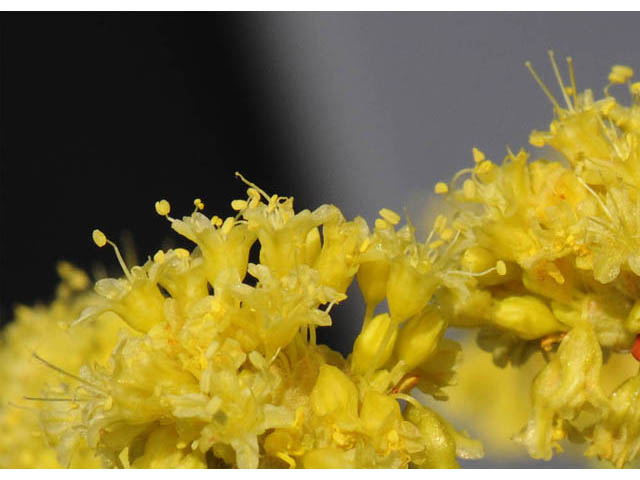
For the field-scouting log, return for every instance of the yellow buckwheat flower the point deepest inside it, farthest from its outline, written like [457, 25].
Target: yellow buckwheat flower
[567, 234]
[221, 367]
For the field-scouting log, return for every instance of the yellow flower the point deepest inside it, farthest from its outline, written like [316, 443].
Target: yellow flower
[567, 236]
[222, 367]
[38, 338]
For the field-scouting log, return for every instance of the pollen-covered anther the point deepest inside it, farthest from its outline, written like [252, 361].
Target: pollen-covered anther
[390, 216]
[501, 268]
[478, 155]
[99, 238]
[163, 208]
[620, 74]
[198, 204]
[441, 188]
[239, 205]
[216, 221]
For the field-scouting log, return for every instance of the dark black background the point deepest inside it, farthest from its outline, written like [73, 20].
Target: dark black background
[103, 114]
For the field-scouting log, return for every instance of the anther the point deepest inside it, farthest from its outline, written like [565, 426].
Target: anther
[478, 155]
[441, 188]
[99, 238]
[239, 205]
[390, 216]
[163, 208]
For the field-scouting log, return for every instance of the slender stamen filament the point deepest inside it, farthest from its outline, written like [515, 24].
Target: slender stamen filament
[64, 372]
[556, 70]
[542, 85]
[253, 185]
[45, 399]
[574, 89]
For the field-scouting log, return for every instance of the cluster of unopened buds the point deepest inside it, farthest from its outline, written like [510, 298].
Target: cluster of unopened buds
[207, 356]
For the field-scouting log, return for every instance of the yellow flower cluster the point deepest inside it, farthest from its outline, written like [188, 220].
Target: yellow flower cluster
[39, 333]
[568, 232]
[220, 366]
[207, 357]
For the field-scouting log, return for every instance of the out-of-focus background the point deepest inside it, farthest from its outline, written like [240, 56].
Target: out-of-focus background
[103, 114]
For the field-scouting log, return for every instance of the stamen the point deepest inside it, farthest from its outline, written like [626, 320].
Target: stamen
[574, 89]
[459, 174]
[163, 208]
[542, 85]
[101, 240]
[590, 190]
[64, 372]
[497, 268]
[253, 185]
[556, 70]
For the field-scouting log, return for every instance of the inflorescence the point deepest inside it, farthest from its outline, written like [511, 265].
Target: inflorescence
[200, 358]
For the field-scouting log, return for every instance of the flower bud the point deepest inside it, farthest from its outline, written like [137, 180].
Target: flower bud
[374, 345]
[419, 338]
[372, 280]
[408, 290]
[526, 316]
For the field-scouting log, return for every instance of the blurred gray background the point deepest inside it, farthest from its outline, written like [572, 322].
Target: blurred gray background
[380, 106]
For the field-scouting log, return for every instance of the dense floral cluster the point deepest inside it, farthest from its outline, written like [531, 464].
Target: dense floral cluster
[208, 357]
[568, 232]
[220, 365]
